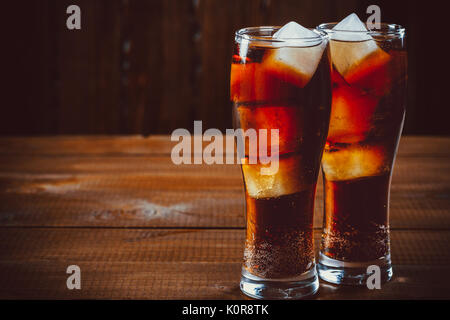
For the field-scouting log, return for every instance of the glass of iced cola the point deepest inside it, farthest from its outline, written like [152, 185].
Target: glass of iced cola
[368, 108]
[280, 81]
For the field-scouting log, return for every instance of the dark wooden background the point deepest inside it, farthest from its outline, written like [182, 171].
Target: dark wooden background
[152, 66]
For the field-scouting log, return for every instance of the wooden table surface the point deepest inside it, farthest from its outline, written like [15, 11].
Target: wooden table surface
[140, 227]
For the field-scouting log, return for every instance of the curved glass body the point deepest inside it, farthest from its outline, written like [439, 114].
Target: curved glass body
[274, 85]
[368, 108]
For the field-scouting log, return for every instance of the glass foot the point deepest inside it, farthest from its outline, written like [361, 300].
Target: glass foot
[352, 273]
[280, 289]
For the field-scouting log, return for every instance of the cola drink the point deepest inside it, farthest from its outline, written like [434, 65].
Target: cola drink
[368, 108]
[282, 85]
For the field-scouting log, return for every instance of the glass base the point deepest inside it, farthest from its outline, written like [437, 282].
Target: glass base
[352, 273]
[280, 289]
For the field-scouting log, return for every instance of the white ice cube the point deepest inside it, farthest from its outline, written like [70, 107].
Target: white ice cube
[355, 25]
[292, 30]
[287, 179]
[353, 45]
[300, 53]
[354, 162]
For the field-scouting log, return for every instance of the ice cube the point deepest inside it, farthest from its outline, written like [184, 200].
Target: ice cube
[288, 121]
[351, 23]
[354, 161]
[286, 180]
[251, 82]
[353, 45]
[351, 113]
[295, 61]
[292, 30]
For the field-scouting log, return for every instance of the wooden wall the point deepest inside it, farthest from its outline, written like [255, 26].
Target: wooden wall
[145, 67]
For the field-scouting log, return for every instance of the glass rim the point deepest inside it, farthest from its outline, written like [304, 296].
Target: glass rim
[386, 29]
[250, 34]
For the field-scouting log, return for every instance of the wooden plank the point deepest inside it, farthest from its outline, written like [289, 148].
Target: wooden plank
[30, 93]
[179, 90]
[218, 21]
[141, 65]
[88, 68]
[64, 145]
[418, 146]
[424, 146]
[408, 283]
[151, 191]
[108, 22]
[84, 82]
[95, 145]
[185, 264]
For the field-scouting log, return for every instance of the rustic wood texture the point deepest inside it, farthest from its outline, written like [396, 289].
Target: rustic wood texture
[162, 145]
[151, 66]
[142, 228]
[131, 181]
[186, 264]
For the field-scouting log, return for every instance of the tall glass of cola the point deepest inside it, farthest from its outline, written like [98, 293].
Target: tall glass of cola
[283, 85]
[368, 108]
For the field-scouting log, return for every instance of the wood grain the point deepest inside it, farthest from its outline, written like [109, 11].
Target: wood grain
[185, 264]
[130, 181]
[102, 145]
[142, 228]
[140, 67]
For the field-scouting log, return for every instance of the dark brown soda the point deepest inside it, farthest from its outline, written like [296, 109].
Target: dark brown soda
[356, 219]
[279, 236]
[366, 122]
